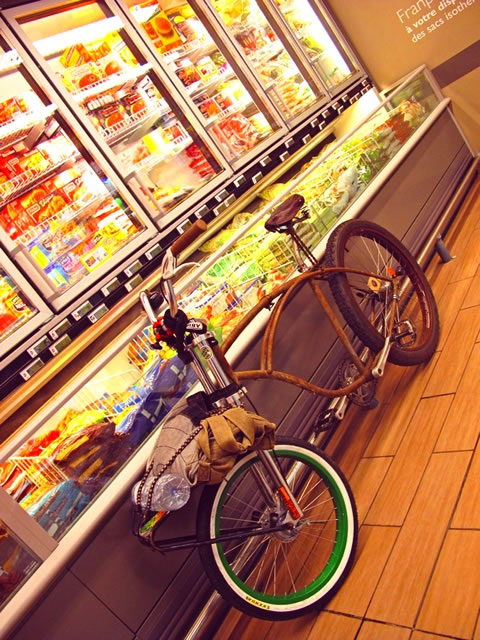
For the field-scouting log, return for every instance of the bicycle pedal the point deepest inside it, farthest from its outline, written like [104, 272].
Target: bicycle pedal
[404, 333]
[325, 421]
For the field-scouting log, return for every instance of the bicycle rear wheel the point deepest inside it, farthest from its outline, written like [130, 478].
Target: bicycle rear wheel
[365, 302]
[284, 574]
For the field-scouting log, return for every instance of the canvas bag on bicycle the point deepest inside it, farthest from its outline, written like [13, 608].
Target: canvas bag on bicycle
[202, 446]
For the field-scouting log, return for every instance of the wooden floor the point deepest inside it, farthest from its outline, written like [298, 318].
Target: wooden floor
[414, 466]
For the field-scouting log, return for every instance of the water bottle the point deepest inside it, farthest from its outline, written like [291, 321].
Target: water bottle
[171, 492]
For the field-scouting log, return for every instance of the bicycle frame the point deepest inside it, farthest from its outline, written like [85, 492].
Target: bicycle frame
[374, 366]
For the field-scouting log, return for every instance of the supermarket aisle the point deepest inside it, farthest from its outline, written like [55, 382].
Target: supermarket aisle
[414, 465]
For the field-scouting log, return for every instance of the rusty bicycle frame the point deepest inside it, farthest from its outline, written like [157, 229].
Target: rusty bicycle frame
[284, 292]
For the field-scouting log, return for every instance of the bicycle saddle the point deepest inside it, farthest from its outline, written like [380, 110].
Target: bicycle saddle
[285, 212]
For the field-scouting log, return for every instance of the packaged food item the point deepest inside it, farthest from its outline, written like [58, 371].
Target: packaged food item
[75, 55]
[162, 32]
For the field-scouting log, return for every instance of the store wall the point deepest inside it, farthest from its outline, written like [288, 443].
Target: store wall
[393, 37]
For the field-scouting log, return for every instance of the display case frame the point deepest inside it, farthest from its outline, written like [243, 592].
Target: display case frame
[240, 71]
[327, 21]
[43, 315]
[145, 236]
[161, 80]
[322, 97]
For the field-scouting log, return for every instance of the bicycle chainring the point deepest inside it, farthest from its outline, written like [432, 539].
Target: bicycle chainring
[364, 395]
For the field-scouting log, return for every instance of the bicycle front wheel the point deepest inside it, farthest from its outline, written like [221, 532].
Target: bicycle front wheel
[283, 574]
[366, 301]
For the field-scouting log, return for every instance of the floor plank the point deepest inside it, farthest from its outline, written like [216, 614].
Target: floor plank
[390, 432]
[454, 356]
[462, 427]
[334, 627]
[399, 594]
[472, 297]
[467, 262]
[448, 609]
[467, 513]
[394, 497]
[449, 305]
[365, 481]
[374, 547]
[370, 630]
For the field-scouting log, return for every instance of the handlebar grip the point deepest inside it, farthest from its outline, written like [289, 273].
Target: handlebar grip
[182, 242]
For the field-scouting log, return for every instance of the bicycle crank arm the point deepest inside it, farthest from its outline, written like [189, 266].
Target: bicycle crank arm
[191, 542]
[338, 406]
[379, 369]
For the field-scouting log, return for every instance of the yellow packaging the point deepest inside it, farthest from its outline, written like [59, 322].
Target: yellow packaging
[75, 56]
[156, 141]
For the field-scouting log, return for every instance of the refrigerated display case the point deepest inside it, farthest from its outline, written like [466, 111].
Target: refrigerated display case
[62, 220]
[22, 310]
[286, 81]
[16, 564]
[310, 26]
[92, 440]
[207, 75]
[89, 54]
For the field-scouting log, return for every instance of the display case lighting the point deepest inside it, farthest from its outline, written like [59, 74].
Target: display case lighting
[86, 33]
[142, 14]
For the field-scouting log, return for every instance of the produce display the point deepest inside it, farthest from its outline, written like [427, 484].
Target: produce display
[315, 41]
[228, 111]
[15, 310]
[277, 71]
[121, 97]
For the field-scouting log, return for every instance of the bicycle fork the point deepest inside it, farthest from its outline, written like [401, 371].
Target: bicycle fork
[279, 487]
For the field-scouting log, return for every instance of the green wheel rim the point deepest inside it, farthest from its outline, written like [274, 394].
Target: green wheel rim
[339, 546]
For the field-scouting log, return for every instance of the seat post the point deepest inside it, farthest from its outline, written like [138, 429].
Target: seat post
[298, 244]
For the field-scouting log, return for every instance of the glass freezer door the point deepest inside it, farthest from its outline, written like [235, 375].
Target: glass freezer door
[289, 87]
[112, 88]
[62, 220]
[205, 74]
[316, 38]
[22, 310]
[16, 563]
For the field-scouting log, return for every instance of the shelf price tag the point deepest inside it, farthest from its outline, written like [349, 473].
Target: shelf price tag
[133, 268]
[134, 282]
[82, 310]
[110, 287]
[61, 328]
[32, 368]
[154, 251]
[39, 346]
[221, 196]
[98, 313]
[60, 345]
[239, 181]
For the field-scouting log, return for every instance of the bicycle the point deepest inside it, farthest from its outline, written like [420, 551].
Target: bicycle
[277, 536]
[278, 513]
[379, 289]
